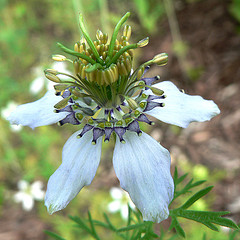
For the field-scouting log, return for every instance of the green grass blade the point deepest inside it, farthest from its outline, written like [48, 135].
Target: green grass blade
[54, 235]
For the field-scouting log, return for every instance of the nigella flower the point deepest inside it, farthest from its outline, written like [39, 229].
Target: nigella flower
[110, 99]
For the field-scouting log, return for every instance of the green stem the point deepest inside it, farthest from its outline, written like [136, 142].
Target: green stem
[77, 54]
[94, 67]
[68, 75]
[89, 40]
[132, 78]
[115, 33]
[120, 52]
[96, 92]
[136, 86]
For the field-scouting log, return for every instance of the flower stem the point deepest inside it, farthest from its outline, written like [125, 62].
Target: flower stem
[89, 40]
[120, 52]
[77, 54]
[115, 33]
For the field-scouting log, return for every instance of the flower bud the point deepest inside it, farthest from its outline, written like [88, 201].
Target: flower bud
[63, 103]
[51, 71]
[127, 31]
[143, 42]
[77, 47]
[99, 35]
[60, 87]
[161, 59]
[53, 78]
[59, 58]
[157, 91]
[132, 103]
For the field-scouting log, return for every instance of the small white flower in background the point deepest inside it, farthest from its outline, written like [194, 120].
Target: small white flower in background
[40, 81]
[11, 106]
[27, 194]
[120, 202]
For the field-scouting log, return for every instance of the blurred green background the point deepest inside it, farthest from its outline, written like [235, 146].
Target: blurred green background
[29, 31]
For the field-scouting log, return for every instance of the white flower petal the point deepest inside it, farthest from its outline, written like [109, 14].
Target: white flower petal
[23, 185]
[19, 196]
[11, 106]
[116, 193]
[78, 168]
[28, 203]
[16, 128]
[37, 85]
[143, 167]
[181, 109]
[50, 85]
[36, 190]
[114, 206]
[37, 185]
[38, 113]
[61, 67]
[131, 204]
[124, 211]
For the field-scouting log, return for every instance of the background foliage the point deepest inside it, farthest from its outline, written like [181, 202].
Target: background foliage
[29, 31]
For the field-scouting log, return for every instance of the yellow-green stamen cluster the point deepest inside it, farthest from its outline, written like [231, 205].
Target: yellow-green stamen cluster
[104, 75]
[104, 92]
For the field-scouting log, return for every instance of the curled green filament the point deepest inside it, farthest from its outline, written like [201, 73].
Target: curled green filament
[77, 54]
[89, 40]
[115, 33]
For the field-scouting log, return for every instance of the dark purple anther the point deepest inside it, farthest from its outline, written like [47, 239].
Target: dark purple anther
[70, 118]
[120, 132]
[97, 133]
[153, 97]
[86, 128]
[108, 132]
[151, 105]
[143, 118]
[134, 127]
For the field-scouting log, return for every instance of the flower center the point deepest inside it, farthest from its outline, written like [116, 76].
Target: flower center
[104, 91]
